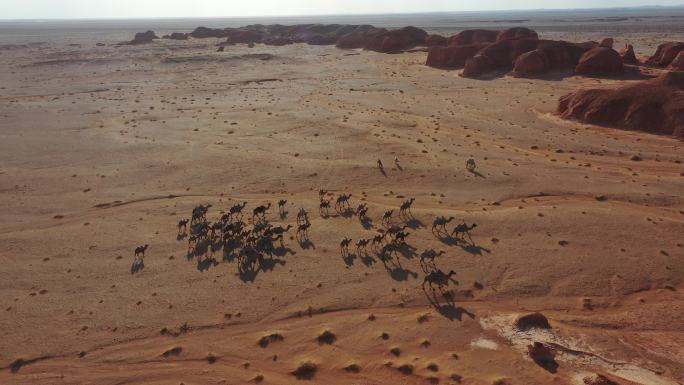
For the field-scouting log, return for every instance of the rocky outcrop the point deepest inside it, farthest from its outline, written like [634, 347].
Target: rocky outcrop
[607, 42]
[452, 57]
[397, 40]
[436, 41]
[532, 321]
[600, 61]
[628, 56]
[517, 33]
[473, 36]
[678, 63]
[204, 32]
[143, 38]
[499, 56]
[655, 106]
[665, 54]
[549, 56]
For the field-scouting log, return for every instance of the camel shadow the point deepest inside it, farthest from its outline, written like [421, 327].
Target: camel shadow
[477, 174]
[270, 264]
[347, 213]
[349, 259]
[448, 308]
[306, 244]
[414, 224]
[396, 271]
[181, 236]
[367, 223]
[204, 264]
[399, 167]
[283, 251]
[383, 172]
[283, 214]
[137, 266]
[368, 261]
[474, 249]
[248, 274]
[406, 250]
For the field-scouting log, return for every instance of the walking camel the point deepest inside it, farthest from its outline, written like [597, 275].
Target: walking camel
[387, 216]
[361, 244]
[199, 212]
[430, 255]
[302, 216]
[470, 165]
[405, 208]
[461, 230]
[281, 206]
[439, 278]
[323, 208]
[344, 246]
[237, 209]
[439, 224]
[261, 211]
[140, 252]
[303, 231]
[342, 201]
[183, 224]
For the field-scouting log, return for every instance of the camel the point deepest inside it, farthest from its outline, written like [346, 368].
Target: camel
[183, 224]
[323, 208]
[378, 240]
[344, 246]
[281, 206]
[302, 216]
[237, 209]
[439, 278]
[261, 211]
[400, 237]
[199, 212]
[361, 207]
[462, 230]
[470, 165]
[430, 254]
[440, 223]
[342, 201]
[387, 216]
[278, 231]
[406, 207]
[362, 213]
[321, 194]
[140, 251]
[395, 229]
[361, 244]
[303, 230]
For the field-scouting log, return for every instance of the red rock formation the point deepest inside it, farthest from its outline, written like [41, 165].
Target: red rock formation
[473, 36]
[665, 54]
[678, 62]
[436, 41]
[359, 37]
[397, 40]
[628, 56]
[600, 61]
[532, 321]
[549, 56]
[143, 38]
[517, 33]
[452, 57]
[655, 106]
[498, 57]
[204, 32]
[607, 42]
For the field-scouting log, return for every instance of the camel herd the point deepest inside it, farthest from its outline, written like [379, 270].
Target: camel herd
[254, 241]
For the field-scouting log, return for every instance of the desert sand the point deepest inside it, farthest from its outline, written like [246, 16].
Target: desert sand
[106, 148]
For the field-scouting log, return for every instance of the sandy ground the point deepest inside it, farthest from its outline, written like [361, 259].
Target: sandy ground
[104, 149]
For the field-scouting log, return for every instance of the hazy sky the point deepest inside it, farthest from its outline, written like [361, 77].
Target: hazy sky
[44, 9]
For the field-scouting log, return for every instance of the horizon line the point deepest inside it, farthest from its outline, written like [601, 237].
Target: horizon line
[635, 7]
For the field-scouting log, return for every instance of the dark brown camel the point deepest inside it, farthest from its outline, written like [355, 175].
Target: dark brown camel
[342, 201]
[183, 224]
[140, 251]
[439, 224]
[344, 246]
[387, 216]
[405, 208]
[439, 278]
[260, 211]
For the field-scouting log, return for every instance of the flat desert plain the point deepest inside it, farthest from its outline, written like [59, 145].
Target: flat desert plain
[106, 148]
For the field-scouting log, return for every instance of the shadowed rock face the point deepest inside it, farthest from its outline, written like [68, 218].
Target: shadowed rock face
[473, 36]
[143, 38]
[436, 41]
[452, 57]
[678, 62]
[549, 56]
[655, 106]
[517, 33]
[499, 56]
[600, 61]
[665, 54]
[628, 56]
